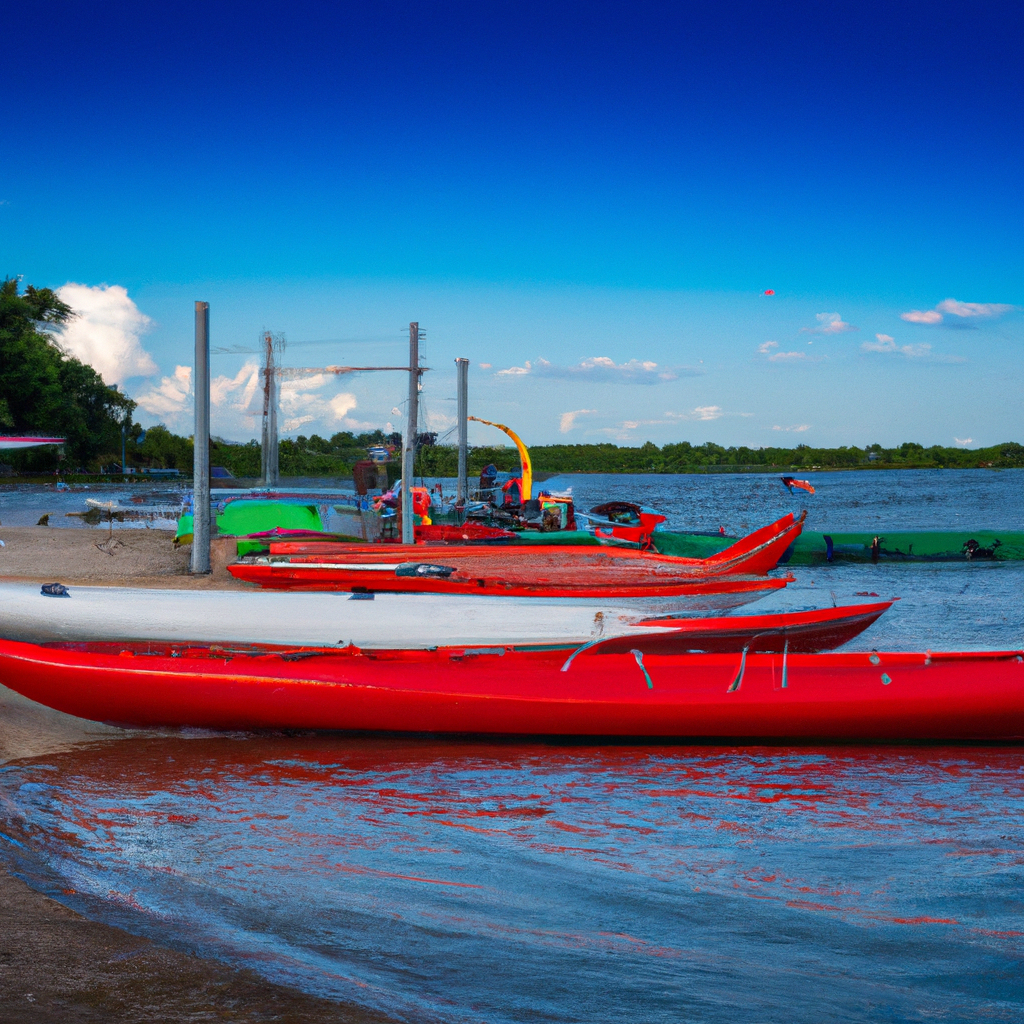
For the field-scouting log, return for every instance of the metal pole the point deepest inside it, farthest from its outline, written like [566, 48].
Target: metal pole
[409, 439]
[462, 366]
[201, 445]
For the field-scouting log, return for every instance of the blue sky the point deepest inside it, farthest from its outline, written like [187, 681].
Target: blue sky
[593, 196]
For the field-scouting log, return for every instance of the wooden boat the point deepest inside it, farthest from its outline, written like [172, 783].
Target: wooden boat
[328, 619]
[876, 696]
[485, 569]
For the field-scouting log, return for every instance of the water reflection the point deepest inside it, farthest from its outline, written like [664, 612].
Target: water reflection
[514, 882]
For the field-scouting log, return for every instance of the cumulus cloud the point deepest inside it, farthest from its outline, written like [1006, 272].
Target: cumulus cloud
[568, 419]
[798, 428]
[766, 348]
[964, 441]
[601, 369]
[922, 316]
[701, 412]
[972, 309]
[953, 307]
[786, 357]
[171, 397]
[886, 343]
[106, 332]
[237, 391]
[829, 323]
[484, 366]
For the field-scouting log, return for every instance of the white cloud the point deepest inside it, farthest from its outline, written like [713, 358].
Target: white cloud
[922, 316]
[515, 371]
[169, 399]
[964, 441]
[568, 419]
[782, 357]
[885, 343]
[767, 347]
[106, 332]
[601, 369]
[797, 429]
[953, 307]
[702, 412]
[222, 387]
[484, 366]
[971, 309]
[342, 404]
[829, 323]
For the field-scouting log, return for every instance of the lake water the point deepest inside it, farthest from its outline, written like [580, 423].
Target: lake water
[507, 882]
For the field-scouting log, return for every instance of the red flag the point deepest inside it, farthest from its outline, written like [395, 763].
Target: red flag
[770, 291]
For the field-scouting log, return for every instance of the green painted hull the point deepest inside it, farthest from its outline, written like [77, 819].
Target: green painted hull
[908, 546]
[241, 518]
[690, 545]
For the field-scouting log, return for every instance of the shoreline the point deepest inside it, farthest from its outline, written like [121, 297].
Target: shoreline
[56, 965]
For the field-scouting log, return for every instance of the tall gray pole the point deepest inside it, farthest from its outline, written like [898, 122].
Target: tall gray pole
[409, 438]
[462, 366]
[201, 445]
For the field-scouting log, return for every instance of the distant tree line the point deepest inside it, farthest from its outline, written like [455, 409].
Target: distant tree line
[319, 457]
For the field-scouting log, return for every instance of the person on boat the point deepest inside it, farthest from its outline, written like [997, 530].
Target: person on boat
[513, 491]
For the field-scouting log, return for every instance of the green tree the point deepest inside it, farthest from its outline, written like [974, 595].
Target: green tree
[43, 390]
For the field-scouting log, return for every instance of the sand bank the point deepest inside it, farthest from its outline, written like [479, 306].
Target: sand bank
[140, 558]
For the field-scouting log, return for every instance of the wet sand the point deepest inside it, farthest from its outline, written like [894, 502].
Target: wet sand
[56, 966]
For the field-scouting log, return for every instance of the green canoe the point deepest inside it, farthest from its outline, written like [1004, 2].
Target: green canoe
[907, 546]
[813, 548]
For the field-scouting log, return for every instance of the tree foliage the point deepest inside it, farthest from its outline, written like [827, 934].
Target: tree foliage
[45, 391]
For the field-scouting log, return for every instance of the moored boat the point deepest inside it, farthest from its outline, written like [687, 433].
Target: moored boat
[327, 619]
[862, 696]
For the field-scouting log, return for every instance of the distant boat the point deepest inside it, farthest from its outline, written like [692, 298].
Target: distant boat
[28, 441]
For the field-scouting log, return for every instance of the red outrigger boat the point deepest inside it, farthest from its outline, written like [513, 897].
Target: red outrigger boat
[522, 571]
[876, 696]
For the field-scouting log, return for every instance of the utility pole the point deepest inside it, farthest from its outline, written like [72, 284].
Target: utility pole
[269, 447]
[409, 438]
[200, 562]
[462, 366]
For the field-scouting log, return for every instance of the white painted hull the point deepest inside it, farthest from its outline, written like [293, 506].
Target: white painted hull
[321, 619]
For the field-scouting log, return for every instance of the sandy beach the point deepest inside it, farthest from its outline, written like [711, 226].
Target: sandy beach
[56, 966]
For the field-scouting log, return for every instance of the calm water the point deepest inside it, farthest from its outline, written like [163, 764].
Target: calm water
[534, 882]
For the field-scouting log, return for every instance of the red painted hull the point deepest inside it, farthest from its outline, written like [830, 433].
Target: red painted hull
[321, 576]
[758, 697]
[570, 565]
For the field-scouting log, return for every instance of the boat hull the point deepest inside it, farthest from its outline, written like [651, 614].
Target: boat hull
[756, 697]
[326, 619]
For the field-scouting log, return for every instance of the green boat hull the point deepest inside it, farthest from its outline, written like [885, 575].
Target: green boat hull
[908, 546]
[812, 548]
[241, 518]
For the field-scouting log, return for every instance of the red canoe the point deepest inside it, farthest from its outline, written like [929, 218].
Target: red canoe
[550, 572]
[416, 577]
[753, 555]
[922, 696]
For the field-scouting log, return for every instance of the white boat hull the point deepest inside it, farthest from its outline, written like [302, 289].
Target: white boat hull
[324, 619]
